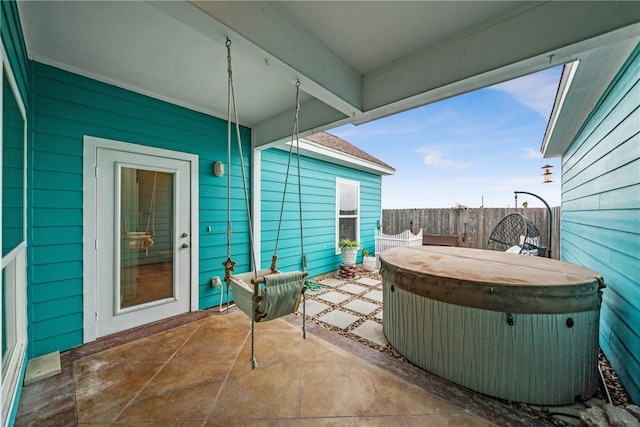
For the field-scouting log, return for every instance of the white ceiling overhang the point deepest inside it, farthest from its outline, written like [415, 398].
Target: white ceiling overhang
[356, 61]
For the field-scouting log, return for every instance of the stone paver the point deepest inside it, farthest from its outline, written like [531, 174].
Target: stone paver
[371, 331]
[334, 297]
[42, 367]
[339, 319]
[353, 289]
[311, 293]
[368, 282]
[331, 281]
[374, 296]
[361, 307]
[313, 307]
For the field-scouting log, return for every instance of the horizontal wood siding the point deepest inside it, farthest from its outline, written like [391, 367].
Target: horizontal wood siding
[319, 211]
[601, 215]
[65, 108]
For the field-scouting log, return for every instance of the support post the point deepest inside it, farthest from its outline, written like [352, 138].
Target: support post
[548, 210]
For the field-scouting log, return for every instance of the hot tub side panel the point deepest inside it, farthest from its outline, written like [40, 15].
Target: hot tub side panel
[539, 359]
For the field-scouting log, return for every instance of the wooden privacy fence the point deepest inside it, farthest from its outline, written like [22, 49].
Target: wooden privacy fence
[471, 226]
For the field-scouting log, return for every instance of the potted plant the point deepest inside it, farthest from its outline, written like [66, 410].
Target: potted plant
[368, 261]
[349, 250]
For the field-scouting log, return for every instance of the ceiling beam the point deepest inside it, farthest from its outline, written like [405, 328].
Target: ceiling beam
[291, 51]
[529, 39]
[314, 116]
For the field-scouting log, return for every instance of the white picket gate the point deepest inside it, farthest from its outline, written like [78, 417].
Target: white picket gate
[388, 241]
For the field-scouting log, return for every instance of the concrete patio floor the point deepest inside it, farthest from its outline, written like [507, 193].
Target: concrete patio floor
[194, 370]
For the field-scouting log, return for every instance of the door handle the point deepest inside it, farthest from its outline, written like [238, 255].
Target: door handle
[185, 245]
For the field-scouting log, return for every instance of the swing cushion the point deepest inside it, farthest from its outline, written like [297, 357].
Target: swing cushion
[243, 289]
[139, 240]
[280, 295]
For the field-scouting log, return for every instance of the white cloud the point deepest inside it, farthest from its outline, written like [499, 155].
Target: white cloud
[437, 159]
[536, 91]
[533, 154]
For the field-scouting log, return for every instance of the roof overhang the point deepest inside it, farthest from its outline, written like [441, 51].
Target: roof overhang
[582, 85]
[336, 157]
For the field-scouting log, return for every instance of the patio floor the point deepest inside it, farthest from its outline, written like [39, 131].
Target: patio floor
[194, 370]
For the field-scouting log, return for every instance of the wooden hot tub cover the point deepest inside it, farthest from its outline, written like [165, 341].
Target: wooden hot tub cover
[492, 280]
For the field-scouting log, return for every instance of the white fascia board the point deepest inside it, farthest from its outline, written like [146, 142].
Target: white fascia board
[589, 81]
[320, 152]
[568, 73]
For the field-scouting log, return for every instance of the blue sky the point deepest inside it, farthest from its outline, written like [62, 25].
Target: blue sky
[473, 148]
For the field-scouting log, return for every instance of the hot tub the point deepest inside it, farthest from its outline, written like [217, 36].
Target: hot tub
[515, 327]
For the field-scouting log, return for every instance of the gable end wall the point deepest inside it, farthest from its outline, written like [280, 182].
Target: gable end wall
[601, 215]
[319, 211]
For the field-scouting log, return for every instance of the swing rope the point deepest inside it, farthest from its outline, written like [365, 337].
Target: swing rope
[295, 136]
[152, 206]
[229, 264]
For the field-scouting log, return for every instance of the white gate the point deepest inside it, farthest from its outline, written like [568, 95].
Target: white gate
[388, 241]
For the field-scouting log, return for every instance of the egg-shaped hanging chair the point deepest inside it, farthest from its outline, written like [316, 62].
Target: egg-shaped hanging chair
[516, 234]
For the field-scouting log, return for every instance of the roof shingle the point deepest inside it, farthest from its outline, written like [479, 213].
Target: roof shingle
[331, 141]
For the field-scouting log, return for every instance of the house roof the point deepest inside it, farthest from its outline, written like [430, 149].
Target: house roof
[329, 148]
[335, 143]
[356, 60]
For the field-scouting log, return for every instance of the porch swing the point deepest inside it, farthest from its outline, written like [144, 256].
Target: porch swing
[265, 294]
[141, 240]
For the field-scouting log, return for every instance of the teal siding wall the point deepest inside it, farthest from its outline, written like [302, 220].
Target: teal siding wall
[65, 108]
[601, 215]
[319, 211]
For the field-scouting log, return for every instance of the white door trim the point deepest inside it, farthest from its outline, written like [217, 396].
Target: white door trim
[89, 216]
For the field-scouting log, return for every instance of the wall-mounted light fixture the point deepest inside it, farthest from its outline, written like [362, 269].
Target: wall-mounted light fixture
[218, 168]
[547, 173]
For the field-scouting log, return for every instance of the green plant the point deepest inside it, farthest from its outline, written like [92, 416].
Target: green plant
[366, 253]
[348, 243]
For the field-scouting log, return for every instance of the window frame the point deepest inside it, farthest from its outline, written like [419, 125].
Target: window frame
[339, 183]
[13, 271]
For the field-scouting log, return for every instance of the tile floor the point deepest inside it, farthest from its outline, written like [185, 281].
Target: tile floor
[195, 371]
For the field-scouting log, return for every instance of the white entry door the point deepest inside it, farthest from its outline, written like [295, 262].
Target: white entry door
[143, 239]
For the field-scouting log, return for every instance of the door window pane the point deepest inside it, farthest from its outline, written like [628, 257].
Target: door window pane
[147, 230]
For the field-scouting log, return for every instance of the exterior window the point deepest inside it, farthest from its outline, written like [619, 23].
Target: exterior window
[347, 210]
[13, 305]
